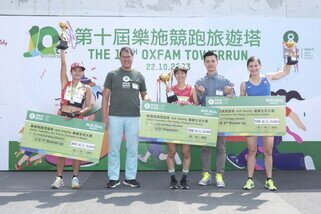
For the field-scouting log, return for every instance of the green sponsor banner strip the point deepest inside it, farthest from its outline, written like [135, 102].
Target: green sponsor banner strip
[250, 115]
[172, 123]
[51, 134]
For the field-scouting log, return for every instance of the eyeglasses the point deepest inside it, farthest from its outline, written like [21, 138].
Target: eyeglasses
[126, 57]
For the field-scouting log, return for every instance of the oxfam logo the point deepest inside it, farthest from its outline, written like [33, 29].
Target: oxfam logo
[126, 79]
[147, 105]
[211, 101]
[32, 116]
[42, 41]
[290, 36]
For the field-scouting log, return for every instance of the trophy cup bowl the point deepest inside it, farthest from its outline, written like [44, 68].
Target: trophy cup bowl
[165, 78]
[63, 44]
[290, 52]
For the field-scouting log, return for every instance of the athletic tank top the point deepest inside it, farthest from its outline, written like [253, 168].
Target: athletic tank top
[185, 94]
[262, 89]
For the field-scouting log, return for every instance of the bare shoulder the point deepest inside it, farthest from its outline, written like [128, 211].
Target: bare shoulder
[269, 76]
[242, 85]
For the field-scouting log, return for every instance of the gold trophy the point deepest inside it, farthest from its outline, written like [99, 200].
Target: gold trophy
[290, 52]
[165, 78]
[63, 44]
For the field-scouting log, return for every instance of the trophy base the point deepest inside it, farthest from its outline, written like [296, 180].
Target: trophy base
[171, 99]
[290, 61]
[63, 45]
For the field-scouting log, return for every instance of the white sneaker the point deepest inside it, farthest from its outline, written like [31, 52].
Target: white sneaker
[162, 156]
[206, 179]
[219, 180]
[59, 182]
[308, 162]
[142, 158]
[75, 183]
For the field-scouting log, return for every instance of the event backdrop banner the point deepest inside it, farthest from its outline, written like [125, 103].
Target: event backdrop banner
[30, 67]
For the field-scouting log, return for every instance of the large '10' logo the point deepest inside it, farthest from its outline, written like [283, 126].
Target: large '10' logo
[36, 46]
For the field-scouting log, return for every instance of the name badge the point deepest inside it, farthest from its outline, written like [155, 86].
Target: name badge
[135, 86]
[219, 93]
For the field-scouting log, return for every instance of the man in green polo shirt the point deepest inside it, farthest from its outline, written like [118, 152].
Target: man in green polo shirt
[121, 96]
